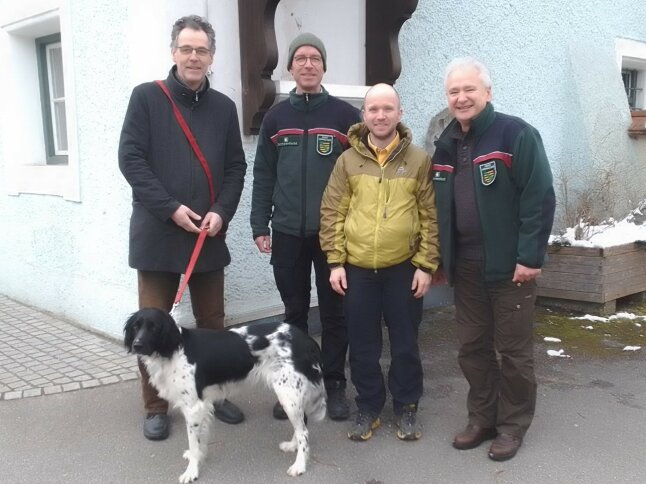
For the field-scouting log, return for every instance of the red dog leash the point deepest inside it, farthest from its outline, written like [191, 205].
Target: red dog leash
[191, 265]
[191, 139]
[200, 156]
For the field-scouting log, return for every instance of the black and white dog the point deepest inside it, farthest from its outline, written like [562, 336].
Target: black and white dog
[192, 368]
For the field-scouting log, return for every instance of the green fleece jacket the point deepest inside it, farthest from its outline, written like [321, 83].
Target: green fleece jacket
[513, 188]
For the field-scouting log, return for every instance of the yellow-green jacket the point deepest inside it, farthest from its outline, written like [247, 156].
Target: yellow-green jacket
[375, 216]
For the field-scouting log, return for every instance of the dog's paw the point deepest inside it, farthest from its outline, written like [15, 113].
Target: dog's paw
[296, 470]
[187, 454]
[189, 475]
[289, 446]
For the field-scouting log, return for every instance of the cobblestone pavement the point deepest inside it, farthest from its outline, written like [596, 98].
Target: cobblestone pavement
[42, 355]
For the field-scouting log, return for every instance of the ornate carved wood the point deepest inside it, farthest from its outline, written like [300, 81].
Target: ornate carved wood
[259, 57]
[259, 51]
[384, 19]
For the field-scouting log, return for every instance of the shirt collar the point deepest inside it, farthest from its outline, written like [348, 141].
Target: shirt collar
[388, 149]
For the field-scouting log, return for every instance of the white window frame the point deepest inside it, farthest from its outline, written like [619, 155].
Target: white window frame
[24, 153]
[631, 54]
[54, 101]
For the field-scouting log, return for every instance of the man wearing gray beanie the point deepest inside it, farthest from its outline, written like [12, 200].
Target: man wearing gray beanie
[299, 142]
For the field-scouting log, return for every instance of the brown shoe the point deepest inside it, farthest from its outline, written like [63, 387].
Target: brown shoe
[504, 447]
[472, 436]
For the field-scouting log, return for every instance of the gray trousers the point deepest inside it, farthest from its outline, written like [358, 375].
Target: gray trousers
[496, 317]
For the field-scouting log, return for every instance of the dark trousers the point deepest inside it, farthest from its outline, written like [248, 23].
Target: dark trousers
[372, 294]
[496, 316]
[292, 258]
[158, 290]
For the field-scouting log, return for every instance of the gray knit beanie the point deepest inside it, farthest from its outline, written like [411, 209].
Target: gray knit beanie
[306, 39]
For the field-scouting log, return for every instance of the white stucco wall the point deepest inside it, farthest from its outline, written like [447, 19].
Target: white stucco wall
[67, 253]
[552, 63]
[70, 258]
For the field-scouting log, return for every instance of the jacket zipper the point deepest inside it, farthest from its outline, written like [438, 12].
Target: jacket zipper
[304, 167]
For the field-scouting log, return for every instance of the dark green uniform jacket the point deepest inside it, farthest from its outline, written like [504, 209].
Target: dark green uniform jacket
[300, 140]
[514, 193]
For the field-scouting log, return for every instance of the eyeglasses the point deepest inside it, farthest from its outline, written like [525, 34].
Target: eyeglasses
[199, 51]
[301, 60]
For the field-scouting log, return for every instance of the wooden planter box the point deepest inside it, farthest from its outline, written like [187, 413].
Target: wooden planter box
[592, 279]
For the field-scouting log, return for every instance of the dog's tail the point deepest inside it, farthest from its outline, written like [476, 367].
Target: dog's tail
[316, 407]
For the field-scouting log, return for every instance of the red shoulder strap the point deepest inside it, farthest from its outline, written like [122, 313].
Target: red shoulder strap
[191, 139]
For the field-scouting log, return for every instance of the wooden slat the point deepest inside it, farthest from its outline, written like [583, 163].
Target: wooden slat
[572, 259]
[634, 271]
[622, 249]
[570, 294]
[580, 251]
[548, 277]
[623, 288]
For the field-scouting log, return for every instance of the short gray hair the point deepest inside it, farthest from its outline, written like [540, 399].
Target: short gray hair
[466, 62]
[194, 22]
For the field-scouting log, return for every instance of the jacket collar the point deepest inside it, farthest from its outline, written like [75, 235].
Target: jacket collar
[478, 126]
[307, 101]
[358, 137]
[182, 93]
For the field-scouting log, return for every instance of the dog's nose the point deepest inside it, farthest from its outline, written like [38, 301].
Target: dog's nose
[137, 346]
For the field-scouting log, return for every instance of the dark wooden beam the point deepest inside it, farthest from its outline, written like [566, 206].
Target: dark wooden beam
[258, 59]
[384, 19]
[259, 51]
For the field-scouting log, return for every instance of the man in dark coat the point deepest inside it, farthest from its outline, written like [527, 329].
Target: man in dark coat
[171, 193]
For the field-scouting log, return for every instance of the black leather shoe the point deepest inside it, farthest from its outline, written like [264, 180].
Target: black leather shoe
[279, 412]
[472, 436]
[338, 407]
[156, 426]
[227, 412]
[504, 447]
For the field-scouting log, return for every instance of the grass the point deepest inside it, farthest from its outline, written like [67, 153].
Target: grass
[603, 340]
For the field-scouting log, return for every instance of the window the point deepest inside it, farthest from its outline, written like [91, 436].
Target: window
[631, 60]
[630, 76]
[52, 94]
[38, 146]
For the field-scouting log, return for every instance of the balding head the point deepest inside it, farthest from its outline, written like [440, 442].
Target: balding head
[381, 113]
[382, 90]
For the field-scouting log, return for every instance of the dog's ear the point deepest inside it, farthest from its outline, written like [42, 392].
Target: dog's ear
[168, 338]
[129, 331]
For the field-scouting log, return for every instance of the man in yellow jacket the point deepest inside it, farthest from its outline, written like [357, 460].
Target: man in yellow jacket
[379, 232]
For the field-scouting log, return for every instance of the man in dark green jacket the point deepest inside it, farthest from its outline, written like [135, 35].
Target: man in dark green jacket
[495, 203]
[300, 140]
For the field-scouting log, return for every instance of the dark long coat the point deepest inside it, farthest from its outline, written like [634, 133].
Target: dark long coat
[159, 164]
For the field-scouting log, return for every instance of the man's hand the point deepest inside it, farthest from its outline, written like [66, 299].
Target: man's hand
[213, 222]
[184, 217]
[421, 283]
[263, 242]
[338, 281]
[524, 274]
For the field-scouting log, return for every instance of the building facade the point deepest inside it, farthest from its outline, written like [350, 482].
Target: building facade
[70, 65]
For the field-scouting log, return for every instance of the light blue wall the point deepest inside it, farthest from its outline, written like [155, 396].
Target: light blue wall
[554, 66]
[552, 63]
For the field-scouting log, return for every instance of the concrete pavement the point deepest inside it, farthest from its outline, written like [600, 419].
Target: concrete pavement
[589, 425]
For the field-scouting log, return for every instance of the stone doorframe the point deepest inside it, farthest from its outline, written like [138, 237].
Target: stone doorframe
[259, 51]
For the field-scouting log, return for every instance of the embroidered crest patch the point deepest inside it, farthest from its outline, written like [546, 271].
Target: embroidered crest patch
[488, 173]
[324, 144]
